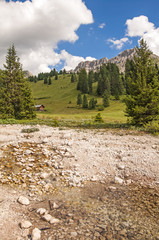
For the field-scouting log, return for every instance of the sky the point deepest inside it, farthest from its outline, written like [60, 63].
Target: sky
[62, 33]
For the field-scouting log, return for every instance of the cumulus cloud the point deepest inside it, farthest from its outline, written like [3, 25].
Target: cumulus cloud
[138, 26]
[102, 25]
[141, 27]
[118, 43]
[36, 28]
[72, 61]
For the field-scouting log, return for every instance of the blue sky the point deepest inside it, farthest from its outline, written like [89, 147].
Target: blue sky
[61, 33]
[113, 13]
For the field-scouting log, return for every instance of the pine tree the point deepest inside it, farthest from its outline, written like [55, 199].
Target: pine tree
[103, 80]
[50, 82]
[15, 95]
[79, 99]
[106, 99]
[92, 103]
[142, 103]
[45, 80]
[85, 102]
[82, 84]
[90, 81]
[129, 69]
[56, 76]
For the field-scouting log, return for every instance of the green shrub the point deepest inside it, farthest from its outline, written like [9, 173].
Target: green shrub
[100, 108]
[152, 127]
[98, 118]
[29, 130]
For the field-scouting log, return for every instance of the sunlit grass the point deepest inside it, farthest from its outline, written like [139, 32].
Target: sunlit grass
[60, 98]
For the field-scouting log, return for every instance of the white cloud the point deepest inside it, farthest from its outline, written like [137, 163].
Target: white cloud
[72, 61]
[141, 27]
[102, 25]
[118, 43]
[138, 26]
[36, 28]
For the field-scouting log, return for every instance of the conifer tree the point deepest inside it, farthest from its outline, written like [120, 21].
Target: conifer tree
[79, 99]
[50, 82]
[106, 99]
[15, 95]
[90, 81]
[85, 102]
[45, 80]
[92, 103]
[142, 103]
[83, 81]
[56, 76]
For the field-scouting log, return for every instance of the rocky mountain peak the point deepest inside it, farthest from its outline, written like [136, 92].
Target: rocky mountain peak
[119, 60]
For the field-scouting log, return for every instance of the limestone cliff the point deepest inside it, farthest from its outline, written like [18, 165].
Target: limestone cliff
[119, 60]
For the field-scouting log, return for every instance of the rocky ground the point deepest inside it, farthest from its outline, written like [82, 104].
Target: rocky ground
[78, 184]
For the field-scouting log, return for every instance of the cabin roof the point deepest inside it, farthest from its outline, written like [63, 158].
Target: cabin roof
[40, 105]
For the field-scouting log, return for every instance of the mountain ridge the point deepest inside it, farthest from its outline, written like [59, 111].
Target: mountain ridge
[119, 60]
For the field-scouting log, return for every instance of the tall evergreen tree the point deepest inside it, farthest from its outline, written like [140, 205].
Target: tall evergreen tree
[90, 81]
[129, 69]
[82, 84]
[15, 95]
[115, 81]
[92, 103]
[79, 99]
[45, 80]
[56, 76]
[50, 82]
[142, 103]
[106, 99]
[85, 102]
[103, 80]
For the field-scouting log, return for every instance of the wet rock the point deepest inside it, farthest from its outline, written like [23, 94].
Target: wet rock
[23, 200]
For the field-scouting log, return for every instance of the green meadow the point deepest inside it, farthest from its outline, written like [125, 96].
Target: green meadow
[60, 99]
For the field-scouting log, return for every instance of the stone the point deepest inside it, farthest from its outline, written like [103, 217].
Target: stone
[119, 180]
[47, 186]
[47, 217]
[112, 188]
[23, 200]
[44, 175]
[41, 211]
[121, 167]
[54, 220]
[103, 198]
[36, 234]
[25, 224]
[74, 234]
[128, 182]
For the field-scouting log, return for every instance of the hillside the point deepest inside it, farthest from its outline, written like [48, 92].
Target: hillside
[60, 99]
[119, 60]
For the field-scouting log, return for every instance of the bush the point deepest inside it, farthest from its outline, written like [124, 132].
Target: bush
[152, 127]
[98, 118]
[29, 130]
[100, 108]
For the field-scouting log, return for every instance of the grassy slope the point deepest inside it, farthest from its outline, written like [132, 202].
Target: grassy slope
[60, 99]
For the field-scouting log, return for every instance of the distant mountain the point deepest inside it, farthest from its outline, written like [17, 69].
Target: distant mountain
[27, 74]
[119, 60]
